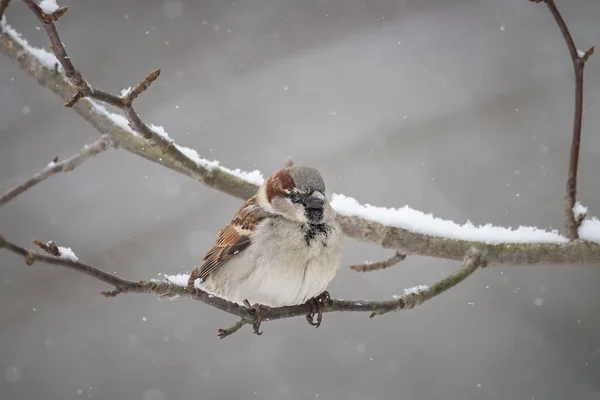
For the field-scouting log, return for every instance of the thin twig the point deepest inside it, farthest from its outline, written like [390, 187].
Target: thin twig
[409, 300]
[50, 247]
[414, 297]
[571, 225]
[141, 87]
[375, 266]
[3, 6]
[53, 168]
[223, 333]
[84, 89]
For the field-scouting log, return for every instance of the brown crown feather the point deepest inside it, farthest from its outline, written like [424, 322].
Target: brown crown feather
[279, 184]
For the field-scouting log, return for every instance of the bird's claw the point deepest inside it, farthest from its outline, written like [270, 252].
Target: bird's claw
[258, 318]
[317, 304]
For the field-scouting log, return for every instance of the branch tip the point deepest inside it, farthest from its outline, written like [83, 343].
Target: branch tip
[49, 247]
[112, 293]
[588, 53]
[55, 15]
[375, 266]
[223, 333]
[74, 99]
[141, 87]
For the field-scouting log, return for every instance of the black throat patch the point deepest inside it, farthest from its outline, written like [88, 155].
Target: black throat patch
[315, 231]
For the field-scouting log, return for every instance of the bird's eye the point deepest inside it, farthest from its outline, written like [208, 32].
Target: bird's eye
[294, 197]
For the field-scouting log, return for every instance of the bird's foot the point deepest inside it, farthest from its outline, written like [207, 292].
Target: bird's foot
[317, 305]
[258, 318]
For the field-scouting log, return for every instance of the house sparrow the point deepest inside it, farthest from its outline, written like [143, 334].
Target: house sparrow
[282, 247]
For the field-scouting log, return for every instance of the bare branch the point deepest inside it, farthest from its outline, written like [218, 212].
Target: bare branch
[416, 296]
[375, 266]
[89, 151]
[410, 299]
[571, 224]
[84, 89]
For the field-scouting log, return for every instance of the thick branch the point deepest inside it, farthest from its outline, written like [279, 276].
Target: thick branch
[410, 299]
[105, 123]
[358, 228]
[571, 224]
[53, 168]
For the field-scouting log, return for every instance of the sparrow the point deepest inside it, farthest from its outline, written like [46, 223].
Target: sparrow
[283, 247]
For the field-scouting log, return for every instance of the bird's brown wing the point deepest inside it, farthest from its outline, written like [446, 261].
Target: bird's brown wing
[234, 238]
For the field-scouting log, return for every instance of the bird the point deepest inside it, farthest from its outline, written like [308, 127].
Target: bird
[282, 247]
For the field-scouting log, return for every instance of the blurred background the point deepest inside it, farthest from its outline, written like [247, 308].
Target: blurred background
[460, 108]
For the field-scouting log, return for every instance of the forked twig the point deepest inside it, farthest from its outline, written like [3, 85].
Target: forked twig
[84, 89]
[571, 224]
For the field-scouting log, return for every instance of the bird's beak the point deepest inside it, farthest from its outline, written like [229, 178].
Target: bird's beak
[315, 201]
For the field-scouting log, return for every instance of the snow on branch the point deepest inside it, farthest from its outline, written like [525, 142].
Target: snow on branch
[48, 6]
[427, 224]
[404, 229]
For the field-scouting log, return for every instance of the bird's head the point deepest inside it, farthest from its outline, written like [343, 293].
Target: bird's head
[296, 193]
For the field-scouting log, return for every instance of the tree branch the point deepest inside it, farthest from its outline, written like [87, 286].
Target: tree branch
[53, 167]
[375, 266]
[28, 59]
[410, 299]
[571, 224]
[132, 134]
[84, 89]
[235, 184]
